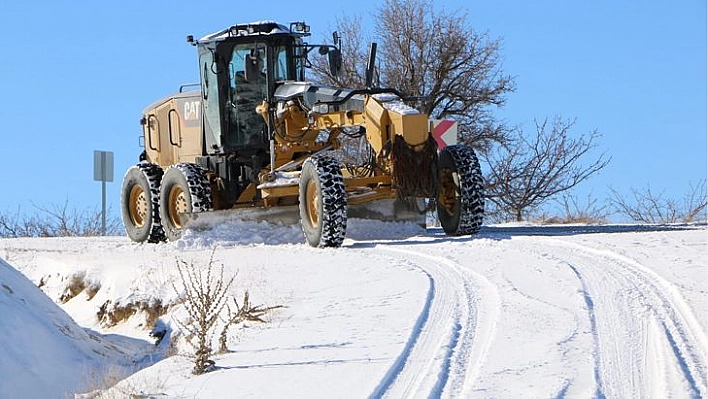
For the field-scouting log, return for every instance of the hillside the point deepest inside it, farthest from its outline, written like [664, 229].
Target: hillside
[583, 311]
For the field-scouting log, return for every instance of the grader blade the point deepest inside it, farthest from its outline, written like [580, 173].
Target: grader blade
[390, 210]
[282, 215]
[386, 210]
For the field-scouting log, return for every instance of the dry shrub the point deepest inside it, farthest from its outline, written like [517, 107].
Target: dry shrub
[244, 312]
[577, 212]
[58, 221]
[112, 384]
[76, 285]
[648, 206]
[205, 294]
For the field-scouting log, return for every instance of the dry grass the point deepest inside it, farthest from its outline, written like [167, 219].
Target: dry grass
[75, 286]
[111, 385]
[110, 315]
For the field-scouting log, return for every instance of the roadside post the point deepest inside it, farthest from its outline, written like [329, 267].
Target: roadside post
[103, 172]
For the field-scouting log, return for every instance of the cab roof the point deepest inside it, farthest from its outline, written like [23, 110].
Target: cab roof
[261, 28]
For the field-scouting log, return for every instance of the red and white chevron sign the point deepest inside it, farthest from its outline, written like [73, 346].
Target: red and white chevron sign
[444, 132]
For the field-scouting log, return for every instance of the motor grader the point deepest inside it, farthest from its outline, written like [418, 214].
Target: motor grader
[256, 138]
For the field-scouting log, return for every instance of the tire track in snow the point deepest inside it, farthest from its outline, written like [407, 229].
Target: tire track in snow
[590, 304]
[444, 353]
[400, 361]
[626, 299]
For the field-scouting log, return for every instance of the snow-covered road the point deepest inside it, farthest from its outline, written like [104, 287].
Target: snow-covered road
[629, 330]
[452, 333]
[612, 311]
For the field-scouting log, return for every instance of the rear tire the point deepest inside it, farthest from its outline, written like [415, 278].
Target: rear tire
[139, 203]
[185, 189]
[323, 202]
[460, 200]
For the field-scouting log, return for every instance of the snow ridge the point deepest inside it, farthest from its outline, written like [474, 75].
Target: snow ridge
[590, 304]
[647, 295]
[450, 349]
[400, 362]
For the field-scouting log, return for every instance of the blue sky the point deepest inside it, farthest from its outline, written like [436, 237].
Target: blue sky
[76, 77]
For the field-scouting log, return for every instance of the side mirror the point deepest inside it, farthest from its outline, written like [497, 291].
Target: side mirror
[335, 62]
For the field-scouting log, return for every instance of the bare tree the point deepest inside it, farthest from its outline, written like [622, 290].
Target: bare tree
[11, 226]
[56, 221]
[354, 57]
[696, 203]
[433, 55]
[456, 73]
[528, 171]
[438, 56]
[646, 206]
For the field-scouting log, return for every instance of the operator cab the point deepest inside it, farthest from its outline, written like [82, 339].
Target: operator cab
[240, 68]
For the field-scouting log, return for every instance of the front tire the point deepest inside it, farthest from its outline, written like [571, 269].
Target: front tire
[185, 189]
[139, 203]
[323, 202]
[460, 200]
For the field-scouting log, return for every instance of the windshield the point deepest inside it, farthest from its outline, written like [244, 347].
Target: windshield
[254, 70]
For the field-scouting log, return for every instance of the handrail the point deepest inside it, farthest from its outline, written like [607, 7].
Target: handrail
[170, 113]
[188, 85]
[157, 129]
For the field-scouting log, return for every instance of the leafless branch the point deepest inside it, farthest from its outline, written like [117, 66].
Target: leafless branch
[530, 170]
[242, 313]
[647, 206]
[57, 221]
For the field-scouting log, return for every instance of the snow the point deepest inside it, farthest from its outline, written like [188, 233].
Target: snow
[278, 29]
[398, 311]
[393, 103]
[45, 351]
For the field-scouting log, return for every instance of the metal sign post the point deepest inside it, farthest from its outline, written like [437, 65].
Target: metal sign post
[103, 172]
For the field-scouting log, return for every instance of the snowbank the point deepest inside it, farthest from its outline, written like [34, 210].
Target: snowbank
[45, 354]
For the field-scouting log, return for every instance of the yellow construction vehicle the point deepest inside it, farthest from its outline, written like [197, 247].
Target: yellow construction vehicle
[256, 138]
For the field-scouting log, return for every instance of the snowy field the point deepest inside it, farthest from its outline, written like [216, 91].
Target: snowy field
[515, 312]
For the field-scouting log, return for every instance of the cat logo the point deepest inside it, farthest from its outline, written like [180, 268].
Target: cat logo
[191, 110]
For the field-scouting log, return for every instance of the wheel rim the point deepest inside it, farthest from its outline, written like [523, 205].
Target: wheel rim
[177, 205]
[313, 203]
[449, 193]
[138, 206]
